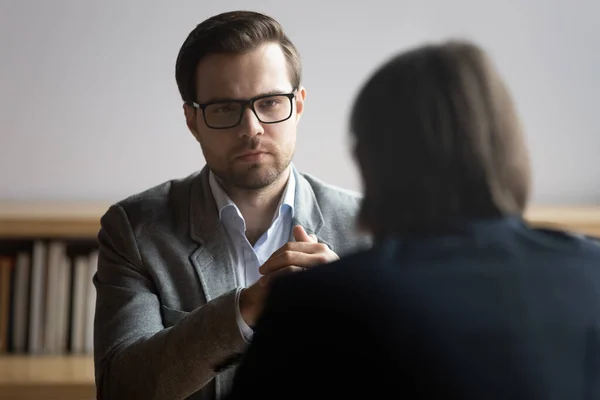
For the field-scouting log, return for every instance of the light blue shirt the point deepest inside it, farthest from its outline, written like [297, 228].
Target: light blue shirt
[249, 258]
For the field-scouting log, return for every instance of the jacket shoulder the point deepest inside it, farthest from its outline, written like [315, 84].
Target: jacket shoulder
[332, 195]
[157, 202]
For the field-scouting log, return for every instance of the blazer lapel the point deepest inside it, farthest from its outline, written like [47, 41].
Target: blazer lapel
[212, 259]
[306, 208]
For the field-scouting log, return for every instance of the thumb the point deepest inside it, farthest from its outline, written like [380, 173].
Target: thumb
[301, 236]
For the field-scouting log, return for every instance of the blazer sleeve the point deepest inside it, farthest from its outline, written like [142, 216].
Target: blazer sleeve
[135, 356]
[271, 362]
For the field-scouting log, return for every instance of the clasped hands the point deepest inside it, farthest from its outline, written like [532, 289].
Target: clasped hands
[306, 252]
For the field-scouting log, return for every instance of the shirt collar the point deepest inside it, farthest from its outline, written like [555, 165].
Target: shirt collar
[223, 201]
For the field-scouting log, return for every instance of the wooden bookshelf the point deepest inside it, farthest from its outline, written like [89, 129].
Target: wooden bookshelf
[64, 377]
[72, 377]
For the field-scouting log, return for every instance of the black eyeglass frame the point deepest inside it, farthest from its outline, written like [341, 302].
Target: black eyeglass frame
[247, 104]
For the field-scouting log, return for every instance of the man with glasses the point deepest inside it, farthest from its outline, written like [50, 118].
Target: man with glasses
[184, 267]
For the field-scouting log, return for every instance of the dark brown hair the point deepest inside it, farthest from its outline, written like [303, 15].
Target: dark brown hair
[438, 140]
[231, 32]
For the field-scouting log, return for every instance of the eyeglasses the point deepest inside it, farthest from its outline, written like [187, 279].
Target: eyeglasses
[269, 109]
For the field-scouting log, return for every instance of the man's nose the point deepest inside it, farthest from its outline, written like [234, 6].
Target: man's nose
[250, 125]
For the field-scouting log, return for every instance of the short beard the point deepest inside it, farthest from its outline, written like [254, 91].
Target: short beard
[250, 179]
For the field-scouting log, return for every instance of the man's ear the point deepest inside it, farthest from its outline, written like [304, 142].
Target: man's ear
[300, 97]
[191, 115]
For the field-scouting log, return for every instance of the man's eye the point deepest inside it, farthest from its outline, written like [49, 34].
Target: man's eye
[224, 109]
[269, 103]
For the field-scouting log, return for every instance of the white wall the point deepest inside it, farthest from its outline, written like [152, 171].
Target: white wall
[89, 108]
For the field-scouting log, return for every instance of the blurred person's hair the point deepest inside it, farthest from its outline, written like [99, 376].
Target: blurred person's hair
[439, 141]
[233, 32]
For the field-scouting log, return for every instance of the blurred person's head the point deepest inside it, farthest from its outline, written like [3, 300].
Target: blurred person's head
[438, 141]
[239, 78]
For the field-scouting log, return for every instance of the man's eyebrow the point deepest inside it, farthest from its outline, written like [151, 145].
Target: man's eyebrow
[217, 99]
[273, 93]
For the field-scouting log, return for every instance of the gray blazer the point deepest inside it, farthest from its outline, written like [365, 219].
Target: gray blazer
[165, 324]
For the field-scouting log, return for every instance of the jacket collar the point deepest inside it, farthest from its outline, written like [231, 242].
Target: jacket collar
[204, 213]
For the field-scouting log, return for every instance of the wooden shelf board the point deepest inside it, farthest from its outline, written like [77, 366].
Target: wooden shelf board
[47, 377]
[46, 370]
[580, 214]
[47, 228]
[82, 219]
[582, 219]
[48, 392]
[52, 210]
[60, 220]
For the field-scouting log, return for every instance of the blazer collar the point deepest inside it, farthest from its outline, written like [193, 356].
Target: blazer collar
[204, 214]
[307, 210]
